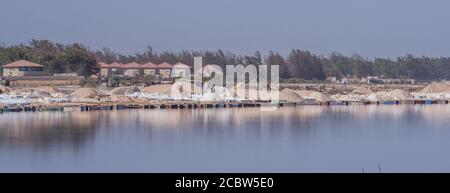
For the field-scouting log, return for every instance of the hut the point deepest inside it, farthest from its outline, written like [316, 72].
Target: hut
[23, 68]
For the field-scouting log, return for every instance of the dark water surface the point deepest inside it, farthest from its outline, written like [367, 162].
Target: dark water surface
[402, 138]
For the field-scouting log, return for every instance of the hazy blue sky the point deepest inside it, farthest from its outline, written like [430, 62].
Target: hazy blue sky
[371, 28]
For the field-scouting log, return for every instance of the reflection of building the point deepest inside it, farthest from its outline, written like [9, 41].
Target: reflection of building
[23, 68]
[45, 131]
[135, 69]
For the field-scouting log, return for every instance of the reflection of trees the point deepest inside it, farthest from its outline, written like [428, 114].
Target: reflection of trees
[427, 112]
[237, 122]
[44, 131]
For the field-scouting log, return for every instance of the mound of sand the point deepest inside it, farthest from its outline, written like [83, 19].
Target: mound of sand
[185, 89]
[309, 94]
[290, 96]
[362, 90]
[400, 94]
[162, 89]
[48, 89]
[125, 90]
[85, 93]
[121, 98]
[243, 86]
[249, 94]
[141, 100]
[436, 88]
[393, 95]
[376, 96]
[4, 89]
[30, 91]
[343, 97]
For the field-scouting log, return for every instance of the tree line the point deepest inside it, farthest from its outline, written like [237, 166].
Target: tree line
[298, 64]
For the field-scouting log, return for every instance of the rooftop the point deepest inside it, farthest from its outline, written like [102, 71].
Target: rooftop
[134, 65]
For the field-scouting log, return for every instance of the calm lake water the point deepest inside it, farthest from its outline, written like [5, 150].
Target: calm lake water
[401, 138]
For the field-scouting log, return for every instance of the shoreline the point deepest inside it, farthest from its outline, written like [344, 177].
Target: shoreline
[158, 96]
[110, 106]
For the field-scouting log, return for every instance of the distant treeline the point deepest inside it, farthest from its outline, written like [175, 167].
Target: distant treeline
[298, 64]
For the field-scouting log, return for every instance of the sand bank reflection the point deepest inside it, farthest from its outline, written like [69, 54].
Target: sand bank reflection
[45, 131]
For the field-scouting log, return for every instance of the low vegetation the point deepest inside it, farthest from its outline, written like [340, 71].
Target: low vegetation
[297, 65]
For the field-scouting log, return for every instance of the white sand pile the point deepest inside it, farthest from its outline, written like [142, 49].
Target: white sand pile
[181, 89]
[436, 88]
[30, 92]
[244, 91]
[343, 97]
[394, 95]
[141, 100]
[242, 86]
[309, 94]
[4, 89]
[248, 94]
[121, 98]
[85, 93]
[218, 93]
[209, 96]
[376, 96]
[178, 90]
[362, 90]
[161, 89]
[239, 85]
[290, 96]
[349, 97]
[124, 90]
[400, 94]
[49, 89]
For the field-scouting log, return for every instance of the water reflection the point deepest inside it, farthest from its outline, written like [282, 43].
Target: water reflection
[47, 130]
[298, 134]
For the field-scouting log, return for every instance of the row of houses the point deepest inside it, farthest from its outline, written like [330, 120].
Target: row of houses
[135, 69]
[27, 68]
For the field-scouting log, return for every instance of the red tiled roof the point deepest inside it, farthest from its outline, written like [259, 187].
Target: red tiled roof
[132, 65]
[112, 65]
[21, 63]
[149, 65]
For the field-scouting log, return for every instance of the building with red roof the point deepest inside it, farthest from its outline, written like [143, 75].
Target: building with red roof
[136, 69]
[180, 69]
[23, 68]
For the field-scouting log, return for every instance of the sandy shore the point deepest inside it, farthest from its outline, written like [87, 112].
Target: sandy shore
[159, 96]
